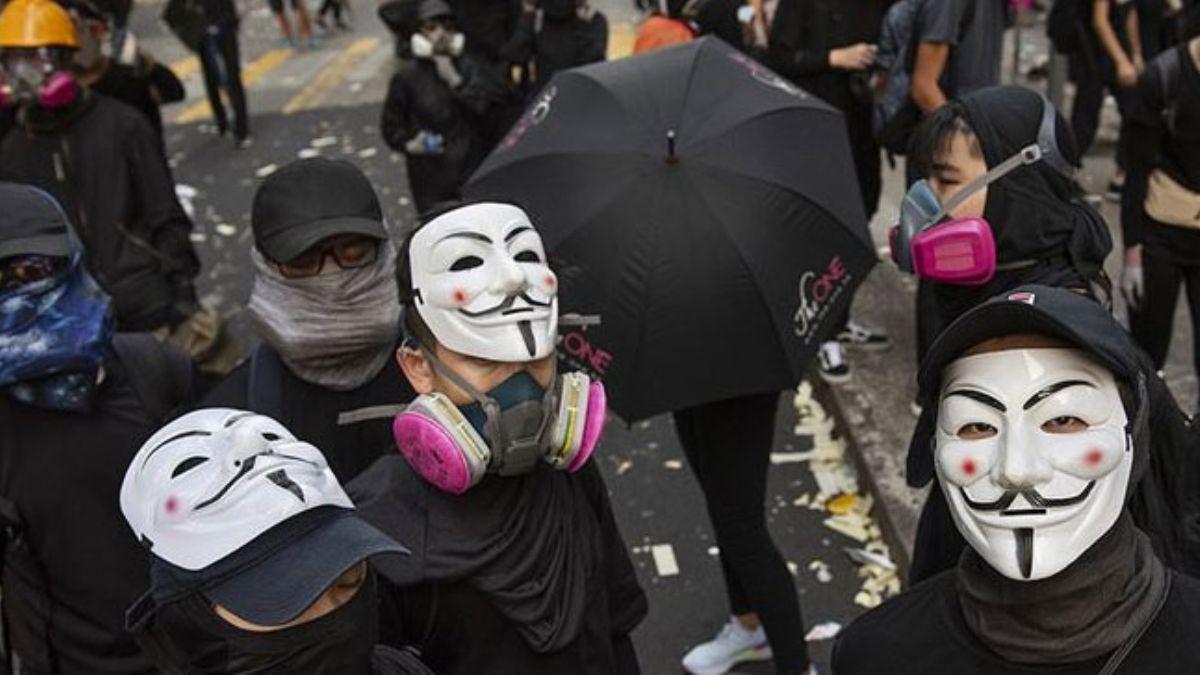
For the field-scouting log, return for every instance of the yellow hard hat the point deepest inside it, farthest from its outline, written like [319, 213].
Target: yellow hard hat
[36, 23]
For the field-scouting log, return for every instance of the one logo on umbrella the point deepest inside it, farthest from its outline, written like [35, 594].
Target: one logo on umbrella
[582, 354]
[534, 116]
[818, 292]
[765, 75]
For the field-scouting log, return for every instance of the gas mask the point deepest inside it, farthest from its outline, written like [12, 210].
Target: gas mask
[1033, 450]
[507, 431]
[933, 245]
[33, 77]
[439, 41]
[481, 283]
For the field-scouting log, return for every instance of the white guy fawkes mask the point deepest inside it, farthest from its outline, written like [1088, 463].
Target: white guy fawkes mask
[482, 285]
[1033, 454]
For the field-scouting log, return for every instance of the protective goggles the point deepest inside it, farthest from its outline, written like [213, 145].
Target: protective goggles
[962, 251]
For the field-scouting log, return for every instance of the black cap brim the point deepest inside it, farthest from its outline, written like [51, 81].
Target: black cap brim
[290, 243]
[288, 580]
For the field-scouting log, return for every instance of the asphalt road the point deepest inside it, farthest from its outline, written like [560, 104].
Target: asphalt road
[326, 101]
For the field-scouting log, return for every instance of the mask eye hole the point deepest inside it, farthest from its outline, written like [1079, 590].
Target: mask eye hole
[270, 436]
[527, 257]
[187, 465]
[976, 431]
[468, 262]
[1064, 424]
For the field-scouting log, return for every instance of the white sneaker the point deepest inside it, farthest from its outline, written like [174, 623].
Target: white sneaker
[855, 335]
[733, 645]
[831, 363]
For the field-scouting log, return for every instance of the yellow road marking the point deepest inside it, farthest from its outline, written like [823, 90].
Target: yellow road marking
[250, 74]
[314, 93]
[621, 36]
[183, 68]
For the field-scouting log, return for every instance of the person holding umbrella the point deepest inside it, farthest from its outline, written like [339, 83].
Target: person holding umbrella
[517, 564]
[689, 231]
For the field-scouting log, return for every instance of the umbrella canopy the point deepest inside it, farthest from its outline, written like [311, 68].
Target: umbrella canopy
[704, 208]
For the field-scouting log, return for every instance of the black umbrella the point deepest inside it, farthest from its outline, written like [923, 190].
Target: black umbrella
[703, 207]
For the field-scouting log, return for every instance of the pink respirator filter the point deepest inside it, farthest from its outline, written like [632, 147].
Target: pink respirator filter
[960, 252]
[593, 425]
[431, 452]
[58, 91]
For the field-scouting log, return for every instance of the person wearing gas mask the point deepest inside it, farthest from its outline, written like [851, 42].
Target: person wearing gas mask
[998, 184]
[436, 107]
[517, 564]
[325, 304]
[75, 403]
[145, 86]
[555, 35]
[1043, 428]
[992, 215]
[258, 562]
[103, 163]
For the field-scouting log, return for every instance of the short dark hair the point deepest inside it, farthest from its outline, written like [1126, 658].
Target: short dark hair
[935, 133]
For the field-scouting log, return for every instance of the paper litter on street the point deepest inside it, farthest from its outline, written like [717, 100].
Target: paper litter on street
[664, 560]
[823, 631]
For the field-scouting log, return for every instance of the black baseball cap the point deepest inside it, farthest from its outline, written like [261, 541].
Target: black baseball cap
[433, 9]
[1039, 310]
[283, 571]
[33, 223]
[310, 200]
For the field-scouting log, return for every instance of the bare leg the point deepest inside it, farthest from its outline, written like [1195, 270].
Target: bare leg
[285, 28]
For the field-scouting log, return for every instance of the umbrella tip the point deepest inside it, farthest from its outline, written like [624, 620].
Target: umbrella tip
[671, 156]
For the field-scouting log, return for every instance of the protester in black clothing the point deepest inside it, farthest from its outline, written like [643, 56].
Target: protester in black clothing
[555, 35]
[436, 107]
[958, 49]
[102, 161]
[75, 402]
[221, 63]
[325, 304]
[1044, 232]
[728, 446]
[1162, 247]
[334, 7]
[268, 574]
[1042, 431]
[517, 564]
[145, 87]
[488, 26]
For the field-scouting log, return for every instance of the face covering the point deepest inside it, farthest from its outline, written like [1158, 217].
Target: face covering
[36, 81]
[188, 636]
[334, 330]
[508, 431]
[1033, 451]
[481, 282]
[930, 243]
[53, 335]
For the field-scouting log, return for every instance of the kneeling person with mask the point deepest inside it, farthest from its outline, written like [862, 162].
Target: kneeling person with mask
[325, 304]
[258, 561]
[517, 564]
[1042, 429]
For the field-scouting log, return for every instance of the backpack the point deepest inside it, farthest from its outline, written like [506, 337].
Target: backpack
[1067, 25]
[159, 373]
[895, 115]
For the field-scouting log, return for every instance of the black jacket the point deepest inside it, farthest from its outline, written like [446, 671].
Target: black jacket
[418, 100]
[559, 45]
[487, 24]
[104, 164]
[61, 473]
[805, 31]
[922, 631]
[142, 91]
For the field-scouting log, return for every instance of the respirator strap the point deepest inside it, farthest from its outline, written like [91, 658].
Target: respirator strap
[490, 406]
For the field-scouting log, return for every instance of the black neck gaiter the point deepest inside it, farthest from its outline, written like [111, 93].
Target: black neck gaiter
[1086, 611]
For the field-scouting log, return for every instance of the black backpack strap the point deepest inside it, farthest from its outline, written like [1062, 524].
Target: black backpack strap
[265, 395]
[1168, 67]
[12, 529]
[160, 374]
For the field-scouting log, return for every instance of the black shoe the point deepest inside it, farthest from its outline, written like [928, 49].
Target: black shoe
[854, 335]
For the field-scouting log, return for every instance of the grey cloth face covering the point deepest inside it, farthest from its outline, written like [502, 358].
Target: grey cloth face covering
[335, 330]
[1088, 610]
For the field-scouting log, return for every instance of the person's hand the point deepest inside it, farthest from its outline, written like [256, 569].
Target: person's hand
[1139, 64]
[855, 57]
[1127, 74]
[1133, 281]
[425, 143]
[585, 12]
[529, 6]
[444, 65]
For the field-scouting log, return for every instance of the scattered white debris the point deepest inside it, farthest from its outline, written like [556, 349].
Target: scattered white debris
[793, 568]
[802, 500]
[624, 466]
[367, 153]
[865, 556]
[186, 194]
[713, 550]
[198, 237]
[308, 153]
[790, 457]
[664, 560]
[225, 229]
[323, 142]
[823, 631]
[265, 171]
[673, 464]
